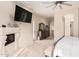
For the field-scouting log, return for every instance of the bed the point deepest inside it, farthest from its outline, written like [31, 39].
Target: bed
[65, 47]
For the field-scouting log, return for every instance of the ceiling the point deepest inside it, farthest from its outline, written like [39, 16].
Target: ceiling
[39, 7]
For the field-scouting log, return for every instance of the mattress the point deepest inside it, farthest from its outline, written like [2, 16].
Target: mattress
[67, 47]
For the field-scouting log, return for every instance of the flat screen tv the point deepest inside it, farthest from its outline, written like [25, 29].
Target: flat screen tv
[22, 15]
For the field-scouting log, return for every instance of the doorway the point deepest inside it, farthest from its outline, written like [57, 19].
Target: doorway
[68, 24]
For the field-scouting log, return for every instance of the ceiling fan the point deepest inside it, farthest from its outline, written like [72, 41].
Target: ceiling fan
[58, 3]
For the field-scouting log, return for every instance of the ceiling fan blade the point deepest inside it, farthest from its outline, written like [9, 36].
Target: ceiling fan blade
[66, 4]
[49, 5]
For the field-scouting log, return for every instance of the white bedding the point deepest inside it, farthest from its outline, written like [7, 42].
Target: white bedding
[67, 47]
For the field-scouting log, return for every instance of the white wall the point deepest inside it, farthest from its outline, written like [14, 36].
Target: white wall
[5, 10]
[51, 27]
[58, 27]
[58, 22]
[67, 26]
[26, 34]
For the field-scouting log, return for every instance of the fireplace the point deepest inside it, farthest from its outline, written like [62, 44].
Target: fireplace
[10, 39]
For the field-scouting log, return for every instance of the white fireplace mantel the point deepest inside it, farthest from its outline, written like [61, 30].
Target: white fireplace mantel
[3, 32]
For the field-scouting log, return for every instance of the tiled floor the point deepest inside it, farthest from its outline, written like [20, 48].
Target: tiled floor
[37, 49]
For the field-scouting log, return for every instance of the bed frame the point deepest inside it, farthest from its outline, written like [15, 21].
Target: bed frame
[55, 45]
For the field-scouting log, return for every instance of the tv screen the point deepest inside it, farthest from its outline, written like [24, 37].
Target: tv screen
[22, 15]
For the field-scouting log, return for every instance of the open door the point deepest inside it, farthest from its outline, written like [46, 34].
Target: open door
[68, 23]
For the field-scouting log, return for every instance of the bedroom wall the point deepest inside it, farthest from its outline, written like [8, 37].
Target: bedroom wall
[4, 12]
[78, 22]
[58, 23]
[58, 27]
[50, 22]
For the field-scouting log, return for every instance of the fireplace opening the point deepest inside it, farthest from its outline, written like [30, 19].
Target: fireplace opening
[10, 38]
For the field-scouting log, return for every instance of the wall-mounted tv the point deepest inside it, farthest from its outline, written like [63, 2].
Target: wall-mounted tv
[22, 15]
